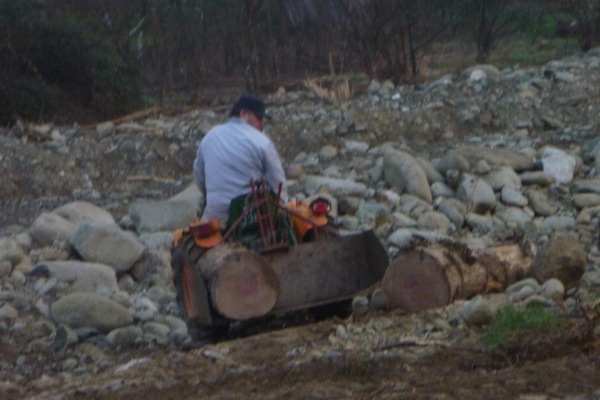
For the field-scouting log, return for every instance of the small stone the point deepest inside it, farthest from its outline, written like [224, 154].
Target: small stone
[378, 300]
[477, 312]
[553, 289]
[360, 305]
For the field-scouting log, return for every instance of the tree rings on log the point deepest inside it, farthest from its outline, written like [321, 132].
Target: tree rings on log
[240, 282]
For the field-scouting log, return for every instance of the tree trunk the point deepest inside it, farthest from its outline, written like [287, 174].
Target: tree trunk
[241, 285]
[436, 275]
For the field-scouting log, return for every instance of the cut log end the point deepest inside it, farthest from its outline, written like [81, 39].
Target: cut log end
[244, 287]
[434, 276]
[415, 281]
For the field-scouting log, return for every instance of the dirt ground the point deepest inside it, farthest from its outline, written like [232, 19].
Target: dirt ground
[298, 363]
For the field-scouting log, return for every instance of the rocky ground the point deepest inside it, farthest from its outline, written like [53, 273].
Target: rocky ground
[87, 308]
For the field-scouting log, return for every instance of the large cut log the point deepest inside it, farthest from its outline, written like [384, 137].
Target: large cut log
[241, 284]
[435, 275]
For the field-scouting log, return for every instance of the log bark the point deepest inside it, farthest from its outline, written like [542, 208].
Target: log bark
[435, 275]
[241, 285]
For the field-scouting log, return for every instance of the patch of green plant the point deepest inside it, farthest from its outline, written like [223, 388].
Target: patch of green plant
[525, 52]
[511, 321]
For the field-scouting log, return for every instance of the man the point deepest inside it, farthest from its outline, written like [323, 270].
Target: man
[234, 154]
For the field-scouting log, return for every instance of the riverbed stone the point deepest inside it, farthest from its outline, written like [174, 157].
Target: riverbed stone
[90, 310]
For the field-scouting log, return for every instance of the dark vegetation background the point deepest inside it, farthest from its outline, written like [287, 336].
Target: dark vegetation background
[82, 61]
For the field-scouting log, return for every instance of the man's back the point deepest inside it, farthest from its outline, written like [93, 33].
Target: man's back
[229, 157]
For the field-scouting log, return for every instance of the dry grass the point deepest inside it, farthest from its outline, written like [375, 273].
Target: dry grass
[336, 90]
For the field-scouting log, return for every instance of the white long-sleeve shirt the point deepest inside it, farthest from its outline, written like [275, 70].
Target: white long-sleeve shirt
[229, 157]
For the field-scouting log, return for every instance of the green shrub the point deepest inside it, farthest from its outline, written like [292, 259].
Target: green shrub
[511, 321]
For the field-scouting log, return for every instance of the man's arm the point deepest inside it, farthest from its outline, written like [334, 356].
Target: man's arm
[199, 171]
[274, 172]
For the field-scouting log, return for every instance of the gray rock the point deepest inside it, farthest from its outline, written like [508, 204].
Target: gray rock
[126, 336]
[143, 309]
[156, 216]
[107, 244]
[400, 220]
[477, 312]
[477, 193]
[541, 204]
[553, 289]
[403, 171]
[190, 195]
[356, 146]
[63, 337]
[435, 220]
[360, 305]
[513, 197]
[157, 240]
[558, 223]
[90, 310]
[496, 156]
[401, 238]
[590, 279]
[5, 269]
[503, 176]
[337, 187]
[536, 178]
[154, 266]
[50, 227]
[440, 189]
[175, 323]
[328, 152]
[517, 286]
[538, 300]
[373, 214]
[79, 276]
[79, 212]
[583, 200]
[514, 216]
[413, 205]
[157, 329]
[452, 162]
[378, 300]
[562, 258]
[481, 71]
[452, 211]
[348, 205]
[11, 252]
[522, 294]
[8, 313]
[433, 176]
[483, 223]
[586, 185]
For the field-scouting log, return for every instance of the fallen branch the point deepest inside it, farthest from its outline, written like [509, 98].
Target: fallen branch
[141, 114]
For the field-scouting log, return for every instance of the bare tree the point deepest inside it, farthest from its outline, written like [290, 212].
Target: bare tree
[491, 20]
[587, 14]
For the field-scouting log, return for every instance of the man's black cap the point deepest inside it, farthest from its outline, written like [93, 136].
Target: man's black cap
[252, 104]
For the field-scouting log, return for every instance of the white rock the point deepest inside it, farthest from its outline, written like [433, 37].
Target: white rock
[559, 165]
